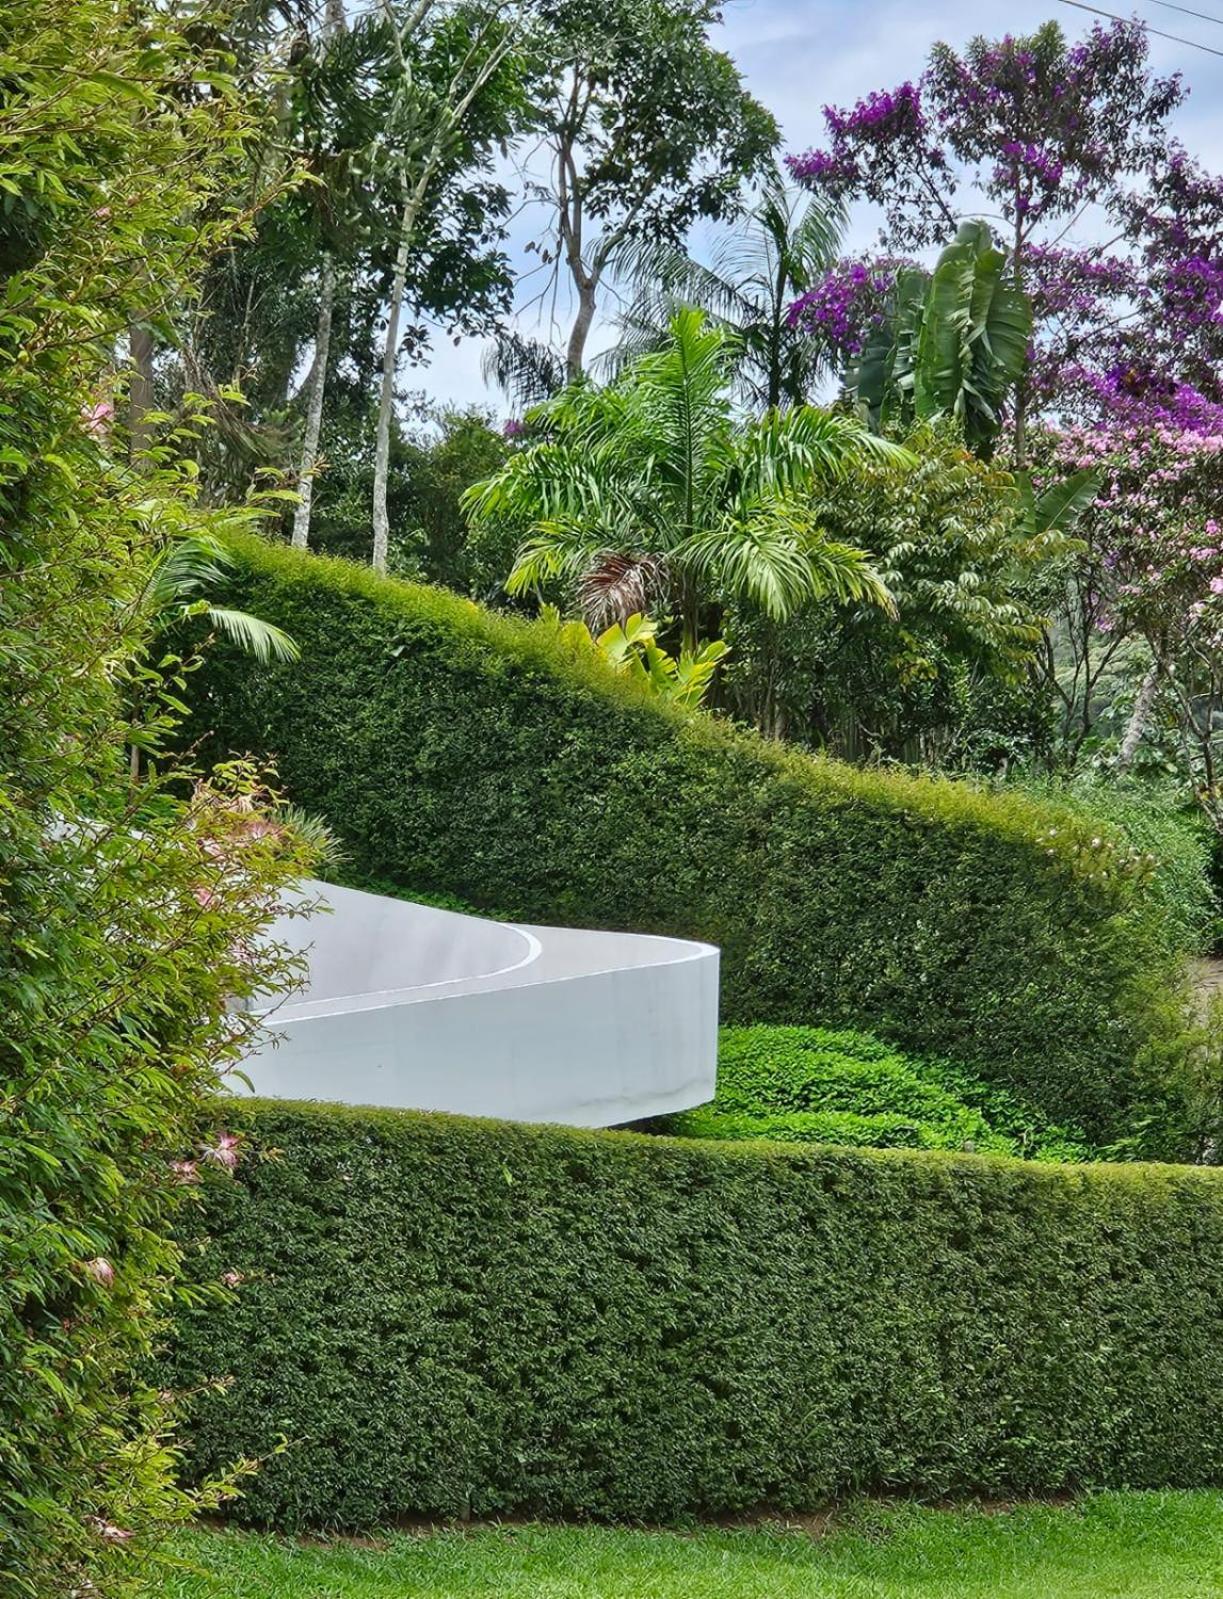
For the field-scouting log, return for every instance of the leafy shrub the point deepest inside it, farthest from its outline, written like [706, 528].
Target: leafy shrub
[445, 1316]
[815, 1085]
[468, 754]
[1158, 819]
[130, 913]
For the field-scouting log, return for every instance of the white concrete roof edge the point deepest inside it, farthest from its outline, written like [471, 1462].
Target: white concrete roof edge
[584, 1027]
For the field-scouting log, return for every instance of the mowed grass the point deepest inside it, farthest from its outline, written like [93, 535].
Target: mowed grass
[1109, 1546]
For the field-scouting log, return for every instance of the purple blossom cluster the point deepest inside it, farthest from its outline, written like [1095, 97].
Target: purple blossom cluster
[1192, 292]
[865, 142]
[1076, 283]
[883, 114]
[847, 303]
[1135, 400]
[1027, 164]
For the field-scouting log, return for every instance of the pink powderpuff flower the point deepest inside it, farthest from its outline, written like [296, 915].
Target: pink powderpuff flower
[185, 1171]
[98, 418]
[101, 1270]
[224, 1152]
[204, 897]
[232, 1279]
[108, 1532]
[1216, 585]
[260, 827]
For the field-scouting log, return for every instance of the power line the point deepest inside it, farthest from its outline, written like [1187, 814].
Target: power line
[1145, 26]
[1202, 16]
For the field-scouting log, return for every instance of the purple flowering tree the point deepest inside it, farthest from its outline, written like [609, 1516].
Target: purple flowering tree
[1056, 144]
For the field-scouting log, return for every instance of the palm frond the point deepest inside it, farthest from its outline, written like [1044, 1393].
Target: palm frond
[778, 559]
[186, 568]
[620, 585]
[263, 640]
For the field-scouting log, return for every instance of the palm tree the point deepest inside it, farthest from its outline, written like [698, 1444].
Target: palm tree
[778, 248]
[177, 589]
[651, 489]
[174, 590]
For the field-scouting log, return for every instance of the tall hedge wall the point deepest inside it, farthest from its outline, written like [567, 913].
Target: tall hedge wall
[442, 1316]
[464, 753]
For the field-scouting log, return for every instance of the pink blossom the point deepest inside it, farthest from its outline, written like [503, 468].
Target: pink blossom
[98, 418]
[101, 1270]
[185, 1171]
[232, 1279]
[108, 1532]
[1216, 585]
[224, 1152]
[204, 896]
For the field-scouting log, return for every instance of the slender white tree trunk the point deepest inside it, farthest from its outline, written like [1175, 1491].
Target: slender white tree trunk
[314, 408]
[386, 394]
[1139, 717]
[334, 22]
[454, 104]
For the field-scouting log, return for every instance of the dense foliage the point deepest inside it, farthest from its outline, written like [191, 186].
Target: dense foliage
[930, 681]
[814, 1085]
[458, 752]
[452, 1317]
[651, 492]
[131, 912]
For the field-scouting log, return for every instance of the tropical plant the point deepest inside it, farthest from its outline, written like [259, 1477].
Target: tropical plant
[769, 255]
[950, 343]
[650, 489]
[960, 544]
[177, 590]
[631, 647]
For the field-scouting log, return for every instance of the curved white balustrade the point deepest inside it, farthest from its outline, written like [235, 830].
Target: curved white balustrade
[425, 1009]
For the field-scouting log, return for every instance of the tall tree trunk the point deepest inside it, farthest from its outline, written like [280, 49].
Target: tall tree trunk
[140, 391]
[1020, 432]
[1139, 717]
[314, 408]
[576, 352]
[334, 22]
[386, 394]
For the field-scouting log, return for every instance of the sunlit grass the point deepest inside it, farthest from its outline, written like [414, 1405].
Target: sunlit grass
[1111, 1546]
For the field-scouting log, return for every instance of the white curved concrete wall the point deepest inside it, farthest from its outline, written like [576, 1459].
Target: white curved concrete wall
[429, 1010]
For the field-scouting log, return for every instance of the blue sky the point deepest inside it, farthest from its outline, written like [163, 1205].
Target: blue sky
[799, 55]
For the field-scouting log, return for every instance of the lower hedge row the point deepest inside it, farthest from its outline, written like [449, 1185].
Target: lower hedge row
[445, 1316]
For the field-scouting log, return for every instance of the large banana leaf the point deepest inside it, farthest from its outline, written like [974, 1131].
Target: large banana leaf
[954, 343]
[974, 337]
[882, 378]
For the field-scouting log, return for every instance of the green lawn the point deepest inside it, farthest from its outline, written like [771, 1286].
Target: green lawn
[1112, 1546]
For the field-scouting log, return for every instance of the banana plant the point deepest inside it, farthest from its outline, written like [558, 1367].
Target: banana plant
[954, 343]
[1059, 507]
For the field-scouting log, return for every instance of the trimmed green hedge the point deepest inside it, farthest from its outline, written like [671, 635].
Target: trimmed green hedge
[814, 1085]
[463, 753]
[444, 1316]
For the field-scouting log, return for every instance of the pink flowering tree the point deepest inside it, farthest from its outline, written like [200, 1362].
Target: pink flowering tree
[1152, 573]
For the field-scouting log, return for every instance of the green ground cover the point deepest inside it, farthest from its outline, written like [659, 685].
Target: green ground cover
[1112, 1546]
[819, 1085]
